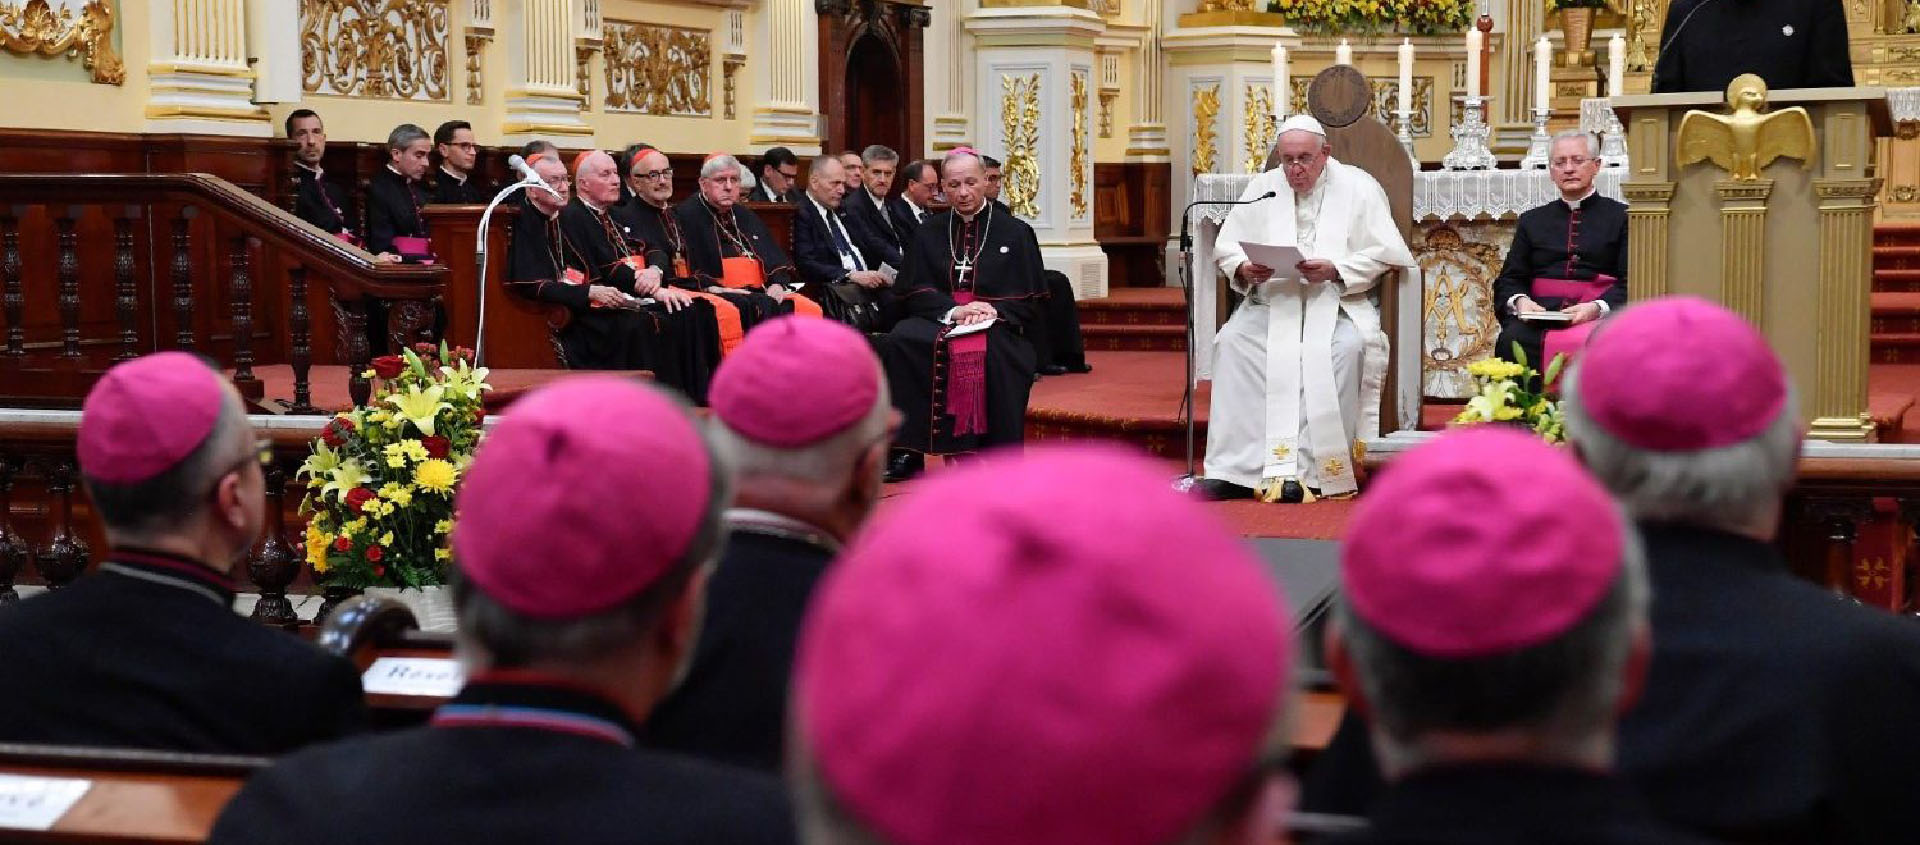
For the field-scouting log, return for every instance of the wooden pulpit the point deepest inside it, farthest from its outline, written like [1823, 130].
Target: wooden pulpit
[1740, 208]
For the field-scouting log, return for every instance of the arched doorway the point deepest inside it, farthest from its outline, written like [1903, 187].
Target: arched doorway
[876, 103]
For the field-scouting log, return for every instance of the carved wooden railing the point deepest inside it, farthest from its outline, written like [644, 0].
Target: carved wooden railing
[135, 263]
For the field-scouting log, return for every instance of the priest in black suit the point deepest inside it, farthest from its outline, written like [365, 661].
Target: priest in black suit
[731, 251]
[1788, 43]
[1056, 336]
[456, 183]
[868, 201]
[1568, 255]
[968, 266]
[685, 338]
[146, 651]
[908, 209]
[589, 520]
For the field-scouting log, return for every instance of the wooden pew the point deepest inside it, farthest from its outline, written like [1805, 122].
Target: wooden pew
[519, 331]
[136, 796]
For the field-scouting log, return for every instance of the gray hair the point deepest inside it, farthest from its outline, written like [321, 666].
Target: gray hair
[1593, 141]
[826, 463]
[715, 165]
[511, 639]
[1565, 690]
[404, 134]
[818, 164]
[172, 498]
[957, 156]
[1728, 488]
[879, 153]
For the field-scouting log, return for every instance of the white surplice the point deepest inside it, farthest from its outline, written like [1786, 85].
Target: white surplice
[1277, 402]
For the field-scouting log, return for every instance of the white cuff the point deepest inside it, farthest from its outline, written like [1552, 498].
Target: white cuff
[1605, 309]
[1513, 299]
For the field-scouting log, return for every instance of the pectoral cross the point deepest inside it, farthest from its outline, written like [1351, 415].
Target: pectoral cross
[960, 271]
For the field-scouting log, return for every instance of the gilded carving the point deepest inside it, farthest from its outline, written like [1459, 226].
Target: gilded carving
[387, 49]
[36, 29]
[1458, 325]
[583, 70]
[1746, 139]
[1643, 30]
[1260, 129]
[1077, 177]
[476, 68]
[1225, 6]
[1106, 112]
[1386, 98]
[1906, 193]
[1206, 106]
[659, 70]
[1020, 121]
[729, 67]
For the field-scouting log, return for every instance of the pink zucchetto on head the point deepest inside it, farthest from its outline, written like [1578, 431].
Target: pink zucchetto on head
[146, 415]
[1043, 648]
[796, 381]
[1482, 542]
[1680, 374]
[585, 494]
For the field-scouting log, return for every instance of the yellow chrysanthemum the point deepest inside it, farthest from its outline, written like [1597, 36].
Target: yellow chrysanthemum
[442, 554]
[354, 526]
[317, 542]
[435, 475]
[444, 526]
[386, 539]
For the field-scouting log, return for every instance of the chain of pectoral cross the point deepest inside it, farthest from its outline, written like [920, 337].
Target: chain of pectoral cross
[739, 239]
[963, 263]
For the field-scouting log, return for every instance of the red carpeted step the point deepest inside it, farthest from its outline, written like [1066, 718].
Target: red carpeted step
[1899, 280]
[1134, 338]
[1896, 234]
[1895, 312]
[1895, 348]
[1135, 306]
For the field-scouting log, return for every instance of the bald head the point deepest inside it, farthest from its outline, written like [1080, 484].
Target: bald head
[598, 179]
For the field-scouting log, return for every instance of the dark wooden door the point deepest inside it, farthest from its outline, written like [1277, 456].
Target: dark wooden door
[876, 103]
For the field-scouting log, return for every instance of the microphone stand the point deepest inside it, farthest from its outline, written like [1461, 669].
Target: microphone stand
[480, 254]
[1186, 482]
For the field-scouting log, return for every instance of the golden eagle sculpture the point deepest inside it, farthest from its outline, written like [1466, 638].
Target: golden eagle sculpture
[1747, 138]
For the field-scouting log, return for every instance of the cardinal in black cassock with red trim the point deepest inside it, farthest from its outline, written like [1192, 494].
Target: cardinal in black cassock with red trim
[731, 251]
[649, 210]
[965, 266]
[685, 345]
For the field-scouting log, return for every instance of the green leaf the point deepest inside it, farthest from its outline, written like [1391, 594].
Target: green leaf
[1553, 369]
[1519, 355]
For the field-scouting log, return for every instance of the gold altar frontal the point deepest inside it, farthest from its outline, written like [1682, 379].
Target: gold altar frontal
[1791, 250]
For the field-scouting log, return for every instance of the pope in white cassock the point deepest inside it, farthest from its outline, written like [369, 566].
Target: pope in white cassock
[1298, 370]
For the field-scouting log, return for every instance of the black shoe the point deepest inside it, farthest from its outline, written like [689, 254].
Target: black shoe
[1082, 368]
[904, 465]
[1053, 370]
[1291, 493]
[1220, 490]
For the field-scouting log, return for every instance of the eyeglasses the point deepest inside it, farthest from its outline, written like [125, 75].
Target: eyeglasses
[651, 174]
[261, 454]
[1571, 161]
[1298, 162]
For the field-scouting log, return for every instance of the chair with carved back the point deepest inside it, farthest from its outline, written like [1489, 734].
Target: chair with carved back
[1342, 100]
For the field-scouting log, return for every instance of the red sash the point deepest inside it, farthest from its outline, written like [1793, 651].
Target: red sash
[967, 378]
[741, 272]
[1568, 341]
[415, 249]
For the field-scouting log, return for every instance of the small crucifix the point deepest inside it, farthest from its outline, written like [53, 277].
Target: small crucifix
[960, 271]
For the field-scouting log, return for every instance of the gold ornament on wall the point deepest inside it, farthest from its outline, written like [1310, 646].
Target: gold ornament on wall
[1260, 128]
[386, 49]
[1020, 121]
[659, 70]
[1206, 106]
[476, 68]
[36, 29]
[1078, 177]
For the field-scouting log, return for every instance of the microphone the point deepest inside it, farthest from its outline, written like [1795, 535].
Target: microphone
[1186, 250]
[529, 176]
[1186, 216]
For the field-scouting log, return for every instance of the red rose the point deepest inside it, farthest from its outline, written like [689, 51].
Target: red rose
[436, 446]
[374, 554]
[379, 571]
[389, 366]
[337, 431]
[357, 498]
[426, 350]
[342, 544]
[479, 415]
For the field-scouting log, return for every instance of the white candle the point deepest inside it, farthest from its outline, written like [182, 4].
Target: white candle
[1343, 54]
[1406, 75]
[1282, 87]
[1616, 65]
[1473, 63]
[1542, 72]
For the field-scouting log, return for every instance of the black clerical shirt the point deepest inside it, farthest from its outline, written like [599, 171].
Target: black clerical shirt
[1788, 43]
[1553, 241]
[451, 189]
[322, 203]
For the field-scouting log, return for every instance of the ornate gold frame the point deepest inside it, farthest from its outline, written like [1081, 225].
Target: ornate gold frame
[34, 29]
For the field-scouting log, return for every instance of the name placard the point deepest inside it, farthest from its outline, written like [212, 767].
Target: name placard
[34, 803]
[433, 676]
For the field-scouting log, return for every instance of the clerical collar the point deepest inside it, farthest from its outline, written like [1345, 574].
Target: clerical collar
[1574, 204]
[457, 178]
[396, 171]
[757, 521]
[591, 205]
[537, 701]
[316, 171]
[172, 570]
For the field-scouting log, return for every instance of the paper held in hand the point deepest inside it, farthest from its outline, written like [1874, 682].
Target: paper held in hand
[1546, 316]
[1280, 259]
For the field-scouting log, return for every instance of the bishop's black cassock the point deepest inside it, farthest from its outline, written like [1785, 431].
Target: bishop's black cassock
[685, 344]
[1788, 43]
[393, 210]
[1556, 241]
[451, 190]
[950, 260]
[713, 235]
[324, 204]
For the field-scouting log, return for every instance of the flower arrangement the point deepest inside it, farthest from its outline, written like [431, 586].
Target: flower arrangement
[1503, 397]
[1366, 17]
[381, 478]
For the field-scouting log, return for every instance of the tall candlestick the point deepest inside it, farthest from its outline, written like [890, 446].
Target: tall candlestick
[1343, 54]
[1542, 73]
[1406, 75]
[1473, 63]
[1282, 87]
[1616, 65]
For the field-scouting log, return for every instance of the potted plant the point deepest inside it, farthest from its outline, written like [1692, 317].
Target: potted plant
[381, 481]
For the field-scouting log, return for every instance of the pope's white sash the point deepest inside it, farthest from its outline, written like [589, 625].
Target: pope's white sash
[1301, 318]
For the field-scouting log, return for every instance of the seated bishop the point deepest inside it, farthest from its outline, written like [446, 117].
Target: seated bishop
[1298, 369]
[685, 337]
[1569, 257]
[648, 208]
[959, 364]
[731, 251]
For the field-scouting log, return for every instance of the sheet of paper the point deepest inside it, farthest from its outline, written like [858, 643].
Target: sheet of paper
[28, 803]
[888, 271]
[963, 331]
[1280, 259]
[435, 676]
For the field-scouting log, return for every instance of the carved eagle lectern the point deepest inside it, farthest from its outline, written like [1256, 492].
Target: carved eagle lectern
[1746, 139]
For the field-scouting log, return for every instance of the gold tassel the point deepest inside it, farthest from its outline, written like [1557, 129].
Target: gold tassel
[1270, 489]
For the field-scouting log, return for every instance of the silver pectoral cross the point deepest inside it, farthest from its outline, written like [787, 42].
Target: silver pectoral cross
[960, 271]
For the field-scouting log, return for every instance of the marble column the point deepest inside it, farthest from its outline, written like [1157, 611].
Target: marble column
[543, 98]
[787, 77]
[199, 79]
[1147, 137]
[1035, 109]
[948, 95]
